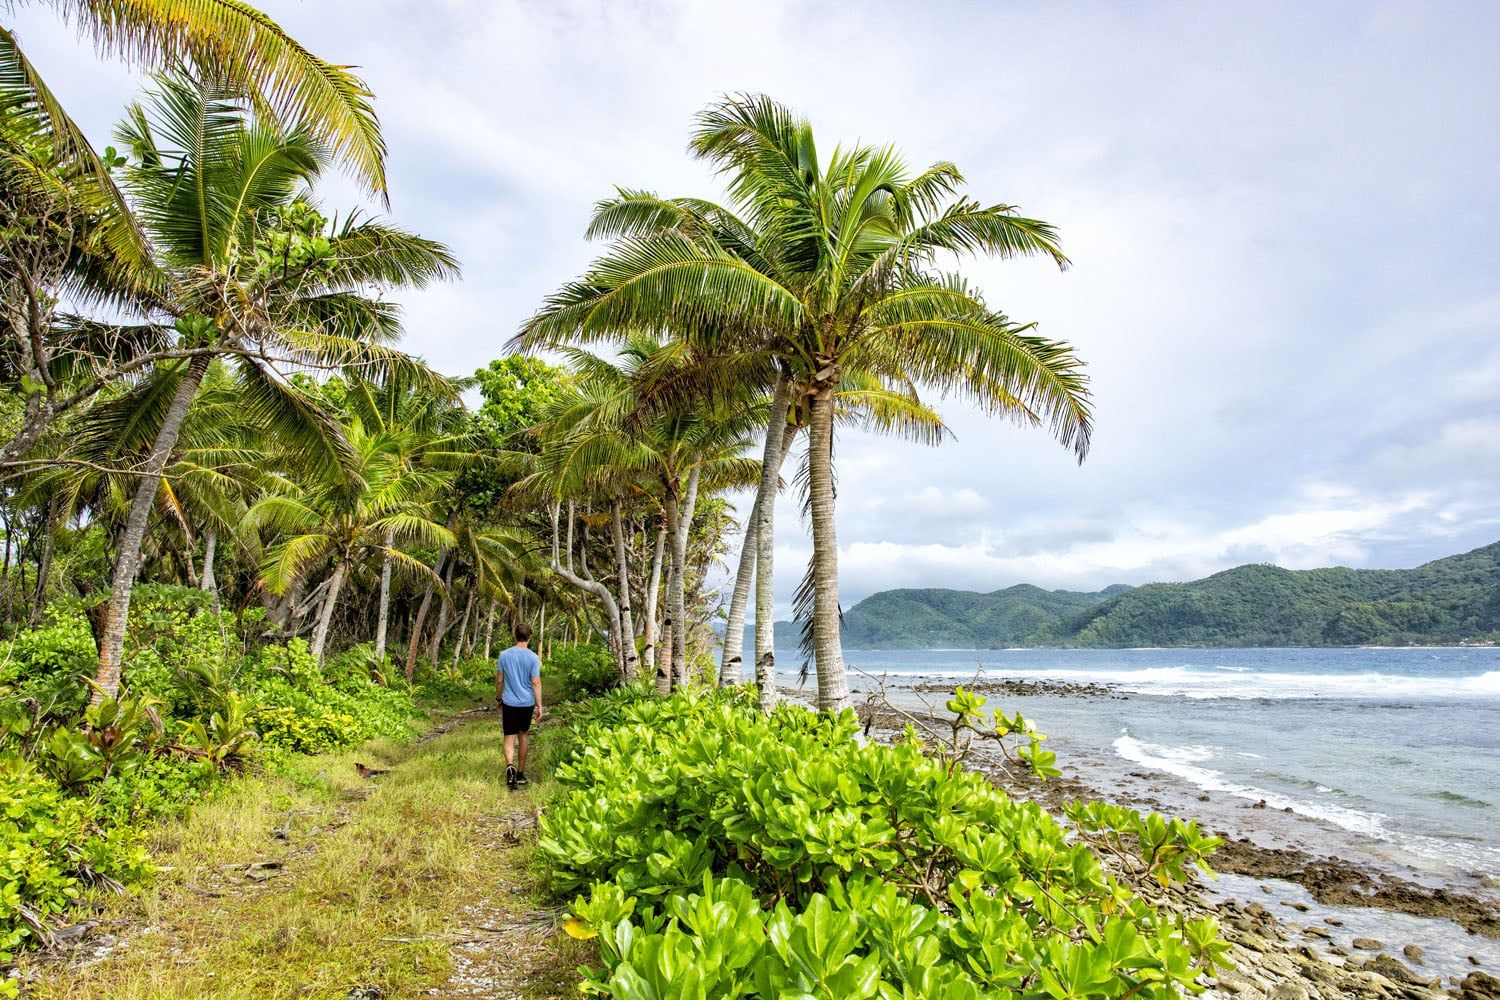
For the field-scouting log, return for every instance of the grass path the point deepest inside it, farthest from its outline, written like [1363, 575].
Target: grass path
[322, 883]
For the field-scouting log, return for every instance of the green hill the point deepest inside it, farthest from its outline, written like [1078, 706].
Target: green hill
[1451, 600]
[960, 619]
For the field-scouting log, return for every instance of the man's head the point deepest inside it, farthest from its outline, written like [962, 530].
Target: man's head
[523, 632]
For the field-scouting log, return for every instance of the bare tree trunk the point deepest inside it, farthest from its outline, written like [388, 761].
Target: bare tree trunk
[833, 686]
[383, 614]
[627, 622]
[320, 637]
[653, 588]
[128, 558]
[415, 640]
[585, 583]
[678, 596]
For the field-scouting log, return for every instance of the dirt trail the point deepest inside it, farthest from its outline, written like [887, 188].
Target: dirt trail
[395, 871]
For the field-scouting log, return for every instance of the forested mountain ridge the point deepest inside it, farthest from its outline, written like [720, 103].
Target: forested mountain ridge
[1451, 600]
[961, 619]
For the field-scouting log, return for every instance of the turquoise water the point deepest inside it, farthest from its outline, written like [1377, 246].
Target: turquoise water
[1398, 749]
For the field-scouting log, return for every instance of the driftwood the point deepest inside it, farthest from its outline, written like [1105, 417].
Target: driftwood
[512, 833]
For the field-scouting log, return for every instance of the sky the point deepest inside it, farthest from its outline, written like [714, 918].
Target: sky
[1284, 221]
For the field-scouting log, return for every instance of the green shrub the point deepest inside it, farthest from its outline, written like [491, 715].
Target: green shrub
[728, 854]
[583, 669]
[50, 848]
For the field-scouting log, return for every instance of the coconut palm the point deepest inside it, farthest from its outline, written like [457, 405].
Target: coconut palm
[827, 266]
[249, 270]
[341, 520]
[617, 428]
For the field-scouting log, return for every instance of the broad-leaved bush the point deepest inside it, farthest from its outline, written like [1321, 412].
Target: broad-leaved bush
[724, 853]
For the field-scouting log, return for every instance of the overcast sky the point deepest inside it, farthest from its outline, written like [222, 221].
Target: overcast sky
[1284, 221]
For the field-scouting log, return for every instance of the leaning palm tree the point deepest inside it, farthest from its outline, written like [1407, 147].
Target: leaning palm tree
[250, 271]
[615, 427]
[828, 267]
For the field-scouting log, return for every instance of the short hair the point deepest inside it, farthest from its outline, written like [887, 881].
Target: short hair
[523, 632]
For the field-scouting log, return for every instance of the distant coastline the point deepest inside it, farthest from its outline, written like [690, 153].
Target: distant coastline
[1454, 601]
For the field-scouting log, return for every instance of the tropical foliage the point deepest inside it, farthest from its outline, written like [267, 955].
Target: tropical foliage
[847, 869]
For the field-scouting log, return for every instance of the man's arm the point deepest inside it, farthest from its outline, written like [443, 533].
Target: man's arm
[499, 687]
[536, 693]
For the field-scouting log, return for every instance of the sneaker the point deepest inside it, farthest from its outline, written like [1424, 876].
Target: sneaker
[521, 778]
[511, 774]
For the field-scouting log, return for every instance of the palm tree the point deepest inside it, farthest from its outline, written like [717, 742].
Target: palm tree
[626, 425]
[427, 431]
[827, 267]
[342, 519]
[249, 270]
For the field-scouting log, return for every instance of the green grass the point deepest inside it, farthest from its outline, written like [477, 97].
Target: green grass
[393, 882]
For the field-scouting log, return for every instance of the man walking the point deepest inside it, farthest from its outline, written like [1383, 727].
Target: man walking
[518, 689]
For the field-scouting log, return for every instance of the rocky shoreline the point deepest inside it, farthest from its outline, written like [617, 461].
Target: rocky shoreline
[1276, 957]
[1283, 959]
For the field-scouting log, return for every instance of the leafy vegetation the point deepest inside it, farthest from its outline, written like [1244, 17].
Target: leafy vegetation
[724, 853]
[203, 698]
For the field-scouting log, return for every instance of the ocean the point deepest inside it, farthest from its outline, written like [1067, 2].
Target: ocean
[1391, 752]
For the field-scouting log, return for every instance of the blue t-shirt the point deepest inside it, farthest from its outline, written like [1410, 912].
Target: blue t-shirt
[518, 666]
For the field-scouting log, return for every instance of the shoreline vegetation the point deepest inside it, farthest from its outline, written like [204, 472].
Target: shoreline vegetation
[249, 544]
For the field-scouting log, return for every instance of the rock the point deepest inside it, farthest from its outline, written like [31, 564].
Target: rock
[1396, 971]
[1333, 921]
[1414, 953]
[1317, 932]
[1290, 991]
[1479, 986]
[1368, 944]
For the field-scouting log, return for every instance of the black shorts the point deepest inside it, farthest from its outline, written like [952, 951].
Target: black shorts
[516, 720]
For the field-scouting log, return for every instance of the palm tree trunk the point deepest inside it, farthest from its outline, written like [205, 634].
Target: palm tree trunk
[765, 586]
[320, 637]
[44, 562]
[383, 615]
[463, 629]
[833, 687]
[653, 588]
[445, 606]
[210, 547]
[664, 666]
[128, 557]
[416, 628]
[731, 664]
[679, 588]
[627, 622]
[489, 628]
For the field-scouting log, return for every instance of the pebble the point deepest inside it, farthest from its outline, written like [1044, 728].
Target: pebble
[1414, 953]
[1368, 944]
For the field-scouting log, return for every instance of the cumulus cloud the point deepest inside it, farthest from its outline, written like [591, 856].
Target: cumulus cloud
[1286, 245]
